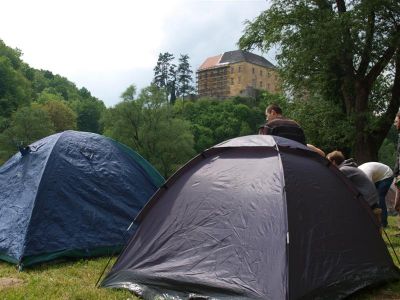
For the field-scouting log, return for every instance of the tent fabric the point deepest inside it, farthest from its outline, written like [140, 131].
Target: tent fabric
[256, 217]
[74, 194]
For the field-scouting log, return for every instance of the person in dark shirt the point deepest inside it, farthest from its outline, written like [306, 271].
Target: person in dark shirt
[278, 125]
[360, 180]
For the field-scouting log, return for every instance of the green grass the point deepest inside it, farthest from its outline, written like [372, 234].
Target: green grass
[77, 279]
[60, 280]
[390, 290]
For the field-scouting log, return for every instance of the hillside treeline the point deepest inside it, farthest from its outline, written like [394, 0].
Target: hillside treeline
[36, 103]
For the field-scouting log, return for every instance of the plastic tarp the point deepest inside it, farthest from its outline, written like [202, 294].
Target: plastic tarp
[74, 194]
[257, 217]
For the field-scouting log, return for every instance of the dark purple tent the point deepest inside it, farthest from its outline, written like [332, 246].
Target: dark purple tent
[256, 217]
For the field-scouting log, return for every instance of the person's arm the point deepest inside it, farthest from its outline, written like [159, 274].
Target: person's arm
[315, 149]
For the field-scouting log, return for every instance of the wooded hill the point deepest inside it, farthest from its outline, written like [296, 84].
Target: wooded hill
[36, 103]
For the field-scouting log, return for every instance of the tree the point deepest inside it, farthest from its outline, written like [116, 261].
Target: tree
[147, 124]
[216, 121]
[89, 112]
[15, 88]
[129, 94]
[28, 124]
[61, 116]
[165, 75]
[345, 52]
[184, 77]
[171, 85]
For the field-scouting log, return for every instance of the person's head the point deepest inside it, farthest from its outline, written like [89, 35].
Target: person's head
[397, 121]
[336, 157]
[272, 112]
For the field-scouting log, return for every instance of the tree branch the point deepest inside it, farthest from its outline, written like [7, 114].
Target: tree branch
[366, 55]
[383, 61]
[341, 5]
[386, 120]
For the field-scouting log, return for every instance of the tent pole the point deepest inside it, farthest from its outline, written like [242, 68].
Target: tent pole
[391, 245]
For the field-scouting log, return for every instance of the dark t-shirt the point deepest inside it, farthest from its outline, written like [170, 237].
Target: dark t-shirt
[284, 127]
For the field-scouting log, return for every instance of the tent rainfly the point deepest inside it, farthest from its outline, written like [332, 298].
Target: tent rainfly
[256, 217]
[71, 194]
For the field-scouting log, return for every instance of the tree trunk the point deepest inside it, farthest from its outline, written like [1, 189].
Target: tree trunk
[364, 147]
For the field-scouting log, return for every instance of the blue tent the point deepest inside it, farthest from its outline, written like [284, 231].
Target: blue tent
[72, 194]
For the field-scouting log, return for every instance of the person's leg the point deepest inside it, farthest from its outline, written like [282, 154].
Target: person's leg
[382, 188]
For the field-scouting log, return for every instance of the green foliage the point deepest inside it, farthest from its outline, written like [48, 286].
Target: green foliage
[89, 113]
[387, 153]
[176, 81]
[343, 52]
[35, 103]
[323, 123]
[62, 117]
[165, 75]
[214, 121]
[203, 137]
[129, 93]
[184, 77]
[14, 87]
[147, 124]
[27, 125]
[55, 84]
[47, 95]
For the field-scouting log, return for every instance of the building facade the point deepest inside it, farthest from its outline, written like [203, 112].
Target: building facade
[236, 73]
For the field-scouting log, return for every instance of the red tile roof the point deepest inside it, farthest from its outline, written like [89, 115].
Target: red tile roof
[210, 62]
[231, 57]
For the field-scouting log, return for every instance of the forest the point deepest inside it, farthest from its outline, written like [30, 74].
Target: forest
[164, 122]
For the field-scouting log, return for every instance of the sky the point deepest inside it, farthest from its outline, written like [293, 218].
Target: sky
[106, 46]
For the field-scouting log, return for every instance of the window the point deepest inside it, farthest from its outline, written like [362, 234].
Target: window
[254, 71]
[232, 69]
[239, 69]
[232, 81]
[260, 72]
[261, 84]
[239, 79]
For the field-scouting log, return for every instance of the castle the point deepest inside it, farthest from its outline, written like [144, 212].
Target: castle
[236, 73]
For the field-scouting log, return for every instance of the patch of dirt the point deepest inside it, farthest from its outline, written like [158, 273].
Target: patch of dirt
[6, 282]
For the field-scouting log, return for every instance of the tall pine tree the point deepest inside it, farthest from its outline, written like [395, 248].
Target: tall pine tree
[184, 77]
[164, 74]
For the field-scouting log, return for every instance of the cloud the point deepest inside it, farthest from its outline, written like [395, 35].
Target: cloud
[107, 45]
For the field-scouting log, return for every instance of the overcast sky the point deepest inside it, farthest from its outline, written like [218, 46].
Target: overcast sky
[107, 45]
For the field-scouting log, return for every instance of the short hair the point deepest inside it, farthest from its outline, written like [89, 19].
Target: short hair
[274, 107]
[336, 156]
[398, 114]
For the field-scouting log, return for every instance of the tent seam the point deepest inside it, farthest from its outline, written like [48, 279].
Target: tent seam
[34, 201]
[287, 242]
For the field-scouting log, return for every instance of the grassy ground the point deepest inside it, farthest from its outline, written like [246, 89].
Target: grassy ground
[61, 280]
[390, 290]
[76, 279]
